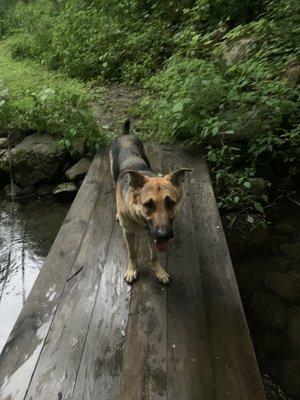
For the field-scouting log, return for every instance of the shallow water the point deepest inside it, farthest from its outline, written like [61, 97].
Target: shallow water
[27, 232]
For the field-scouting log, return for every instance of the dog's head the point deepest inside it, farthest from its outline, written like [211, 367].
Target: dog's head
[156, 200]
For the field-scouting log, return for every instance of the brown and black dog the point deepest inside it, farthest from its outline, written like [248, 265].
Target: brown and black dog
[144, 200]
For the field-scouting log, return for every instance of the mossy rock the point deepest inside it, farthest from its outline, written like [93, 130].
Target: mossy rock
[35, 159]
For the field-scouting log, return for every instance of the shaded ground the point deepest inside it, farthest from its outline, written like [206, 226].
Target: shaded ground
[114, 105]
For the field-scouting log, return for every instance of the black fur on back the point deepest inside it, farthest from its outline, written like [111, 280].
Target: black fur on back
[128, 153]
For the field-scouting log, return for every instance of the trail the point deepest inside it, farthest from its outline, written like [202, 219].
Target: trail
[114, 104]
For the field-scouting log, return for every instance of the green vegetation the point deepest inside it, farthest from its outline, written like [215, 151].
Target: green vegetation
[219, 76]
[35, 100]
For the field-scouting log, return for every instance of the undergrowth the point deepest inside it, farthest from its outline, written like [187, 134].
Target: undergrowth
[219, 76]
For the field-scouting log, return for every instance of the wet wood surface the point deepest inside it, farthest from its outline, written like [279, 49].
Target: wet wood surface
[84, 334]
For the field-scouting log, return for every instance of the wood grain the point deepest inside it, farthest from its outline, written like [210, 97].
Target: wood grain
[84, 334]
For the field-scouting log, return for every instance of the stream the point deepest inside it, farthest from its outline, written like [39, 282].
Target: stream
[27, 232]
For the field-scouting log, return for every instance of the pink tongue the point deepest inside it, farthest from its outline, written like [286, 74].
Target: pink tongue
[161, 245]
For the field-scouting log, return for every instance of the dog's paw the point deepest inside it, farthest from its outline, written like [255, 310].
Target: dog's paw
[162, 276]
[130, 276]
[117, 217]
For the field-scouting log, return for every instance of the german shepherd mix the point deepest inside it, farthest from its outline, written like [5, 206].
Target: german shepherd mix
[144, 200]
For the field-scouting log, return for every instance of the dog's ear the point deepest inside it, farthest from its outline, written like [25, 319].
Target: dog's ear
[177, 177]
[136, 180]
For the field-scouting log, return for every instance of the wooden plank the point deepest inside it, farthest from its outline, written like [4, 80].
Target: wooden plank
[57, 369]
[22, 351]
[144, 367]
[235, 371]
[101, 365]
[189, 367]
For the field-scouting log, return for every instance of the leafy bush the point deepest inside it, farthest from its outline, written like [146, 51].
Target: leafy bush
[216, 75]
[243, 115]
[87, 41]
[32, 99]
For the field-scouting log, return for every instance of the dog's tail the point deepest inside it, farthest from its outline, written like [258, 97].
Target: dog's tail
[126, 127]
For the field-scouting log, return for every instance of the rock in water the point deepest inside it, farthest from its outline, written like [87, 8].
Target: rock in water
[286, 285]
[78, 170]
[19, 193]
[65, 191]
[35, 159]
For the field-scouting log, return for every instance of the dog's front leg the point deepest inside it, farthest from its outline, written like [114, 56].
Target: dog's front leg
[160, 273]
[131, 273]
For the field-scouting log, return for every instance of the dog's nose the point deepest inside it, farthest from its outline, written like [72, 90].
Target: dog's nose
[163, 232]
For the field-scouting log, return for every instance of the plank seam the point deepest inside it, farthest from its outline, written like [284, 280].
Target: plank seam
[63, 291]
[91, 316]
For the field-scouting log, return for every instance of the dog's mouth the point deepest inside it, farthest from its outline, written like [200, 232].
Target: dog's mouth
[161, 245]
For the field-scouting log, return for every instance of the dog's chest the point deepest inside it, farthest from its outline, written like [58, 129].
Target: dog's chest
[130, 224]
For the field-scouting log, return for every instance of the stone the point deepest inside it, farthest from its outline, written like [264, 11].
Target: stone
[288, 226]
[291, 378]
[291, 251]
[35, 159]
[78, 170]
[20, 193]
[65, 191]
[292, 75]
[258, 187]
[4, 169]
[3, 143]
[238, 51]
[241, 236]
[276, 344]
[15, 138]
[285, 284]
[294, 330]
[45, 189]
[79, 148]
[268, 311]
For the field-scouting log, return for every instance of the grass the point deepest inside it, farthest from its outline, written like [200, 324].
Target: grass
[34, 99]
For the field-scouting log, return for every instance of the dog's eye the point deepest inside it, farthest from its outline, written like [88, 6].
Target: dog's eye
[149, 205]
[169, 202]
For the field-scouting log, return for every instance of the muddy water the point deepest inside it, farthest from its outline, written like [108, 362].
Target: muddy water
[27, 232]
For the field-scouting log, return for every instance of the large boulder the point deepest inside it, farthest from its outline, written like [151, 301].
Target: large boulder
[4, 169]
[276, 344]
[291, 251]
[19, 193]
[288, 226]
[238, 51]
[268, 311]
[65, 191]
[35, 159]
[3, 143]
[78, 170]
[292, 75]
[294, 330]
[285, 285]
[241, 235]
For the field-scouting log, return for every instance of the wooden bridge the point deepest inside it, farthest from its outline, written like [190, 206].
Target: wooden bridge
[84, 334]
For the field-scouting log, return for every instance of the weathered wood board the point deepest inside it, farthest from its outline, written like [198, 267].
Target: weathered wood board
[84, 334]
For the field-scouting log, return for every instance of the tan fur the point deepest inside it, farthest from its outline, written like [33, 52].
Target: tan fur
[131, 214]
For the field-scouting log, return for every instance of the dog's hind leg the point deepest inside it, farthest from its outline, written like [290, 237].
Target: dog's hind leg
[160, 273]
[131, 273]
